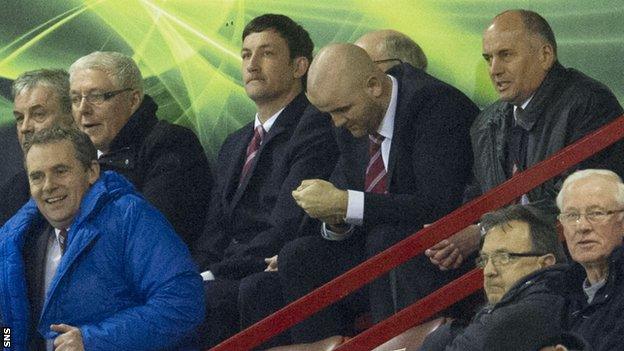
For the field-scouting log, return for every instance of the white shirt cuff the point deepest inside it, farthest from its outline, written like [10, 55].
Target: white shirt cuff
[207, 275]
[355, 207]
[333, 236]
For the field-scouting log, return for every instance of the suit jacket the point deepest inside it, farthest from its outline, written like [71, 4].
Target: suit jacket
[252, 221]
[430, 156]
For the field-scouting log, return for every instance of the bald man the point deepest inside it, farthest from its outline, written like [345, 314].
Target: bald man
[388, 48]
[416, 128]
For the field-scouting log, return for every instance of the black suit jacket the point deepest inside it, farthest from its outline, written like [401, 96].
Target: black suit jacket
[252, 221]
[430, 156]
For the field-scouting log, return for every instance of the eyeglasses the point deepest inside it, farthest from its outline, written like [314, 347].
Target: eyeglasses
[593, 216]
[387, 60]
[97, 98]
[503, 258]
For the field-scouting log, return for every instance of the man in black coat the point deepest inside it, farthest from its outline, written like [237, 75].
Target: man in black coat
[413, 176]
[592, 215]
[40, 100]
[519, 250]
[543, 107]
[165, 162]
[252, 214]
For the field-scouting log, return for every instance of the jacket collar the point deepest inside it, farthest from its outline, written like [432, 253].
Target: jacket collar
[138, 125]
[543, 275]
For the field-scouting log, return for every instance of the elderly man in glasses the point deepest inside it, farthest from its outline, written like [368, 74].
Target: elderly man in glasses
[591, 203]
[165, 162]
[519, 250]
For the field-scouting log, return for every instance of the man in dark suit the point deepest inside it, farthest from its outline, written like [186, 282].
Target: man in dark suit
[252, 213]
[405, 159]
[40, 100]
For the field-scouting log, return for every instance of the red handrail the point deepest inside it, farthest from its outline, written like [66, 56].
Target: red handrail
[415, 244]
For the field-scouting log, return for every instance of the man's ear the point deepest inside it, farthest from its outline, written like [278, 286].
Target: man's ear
[546, 56]
[135, 100]
[374, 86]
[93, 172]
[547, 260]
[301, 65]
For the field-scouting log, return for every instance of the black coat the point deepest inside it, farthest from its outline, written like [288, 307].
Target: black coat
[601, 323]
[167, 164]
[250, 222]
[14, 192]
[567, 106]
[528, 315]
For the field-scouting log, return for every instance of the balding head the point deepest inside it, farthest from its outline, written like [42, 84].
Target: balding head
[388, 48]
[344, 81]
[518, 57]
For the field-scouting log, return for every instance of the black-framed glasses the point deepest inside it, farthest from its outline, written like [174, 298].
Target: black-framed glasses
[503, 258]
[97, 98]
[388, 60]
[594, 216]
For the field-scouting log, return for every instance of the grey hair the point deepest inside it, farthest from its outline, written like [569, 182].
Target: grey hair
[582, 174]
[55, 79]
[120, 68]
[400, 46]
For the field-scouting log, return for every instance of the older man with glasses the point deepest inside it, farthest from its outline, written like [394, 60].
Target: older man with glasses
[165, 162]
[519, 251]
[591, 203]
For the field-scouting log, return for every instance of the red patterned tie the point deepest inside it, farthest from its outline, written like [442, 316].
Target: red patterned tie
[62, 239]
[375, 172]
[252, 150]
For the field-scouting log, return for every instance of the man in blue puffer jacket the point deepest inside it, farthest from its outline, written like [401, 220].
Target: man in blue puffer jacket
[87, 263]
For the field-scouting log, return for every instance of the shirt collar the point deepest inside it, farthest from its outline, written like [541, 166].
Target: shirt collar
[269, 122]
[386, 128]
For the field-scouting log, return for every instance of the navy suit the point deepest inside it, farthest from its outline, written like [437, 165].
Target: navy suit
[429, 167]
[253, 220]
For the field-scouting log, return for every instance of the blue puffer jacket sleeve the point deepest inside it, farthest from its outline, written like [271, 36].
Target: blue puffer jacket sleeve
[159, 267]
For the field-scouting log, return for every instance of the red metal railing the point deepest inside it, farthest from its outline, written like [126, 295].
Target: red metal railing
[415, 245]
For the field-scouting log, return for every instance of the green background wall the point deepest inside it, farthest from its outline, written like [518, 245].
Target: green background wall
[188, 50]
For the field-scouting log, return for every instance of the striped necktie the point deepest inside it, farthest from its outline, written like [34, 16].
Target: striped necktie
[252, 151]
[62, 238]
[376, 171]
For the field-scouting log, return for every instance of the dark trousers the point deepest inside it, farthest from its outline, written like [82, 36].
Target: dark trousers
[309, 262]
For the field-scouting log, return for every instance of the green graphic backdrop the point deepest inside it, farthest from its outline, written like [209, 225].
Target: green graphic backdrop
[188, 50]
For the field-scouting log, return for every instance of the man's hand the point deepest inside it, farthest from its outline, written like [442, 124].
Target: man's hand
[271, 264]
[450, 253]
[69, 339]
[322, 200]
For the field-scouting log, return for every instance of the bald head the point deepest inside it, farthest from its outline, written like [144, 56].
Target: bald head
[389, 48]
[341, 80]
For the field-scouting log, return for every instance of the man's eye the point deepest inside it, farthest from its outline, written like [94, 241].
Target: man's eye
[596, 214]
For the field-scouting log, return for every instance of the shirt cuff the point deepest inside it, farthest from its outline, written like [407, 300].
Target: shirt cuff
[355, 207]
[333, 236]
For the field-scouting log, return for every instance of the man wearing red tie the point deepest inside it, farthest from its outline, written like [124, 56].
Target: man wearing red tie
[405, 159]
[252, 214]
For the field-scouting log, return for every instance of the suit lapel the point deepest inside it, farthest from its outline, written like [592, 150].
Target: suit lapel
[284, 123]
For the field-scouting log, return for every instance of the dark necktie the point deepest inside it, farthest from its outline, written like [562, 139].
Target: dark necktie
[62, 240]
[252, 150]
[375, 172]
